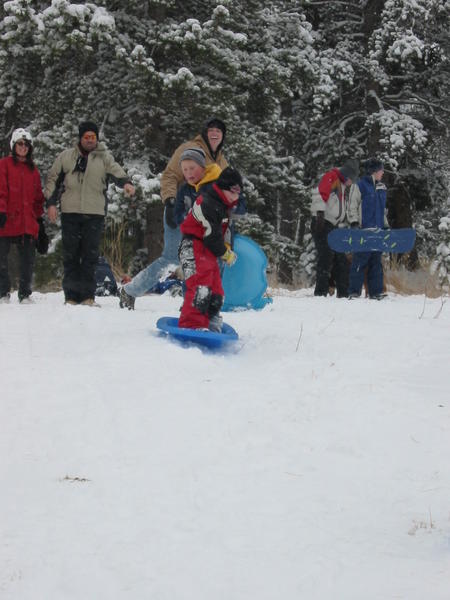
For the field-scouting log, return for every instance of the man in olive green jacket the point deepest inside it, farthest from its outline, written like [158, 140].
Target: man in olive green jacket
[79, 178]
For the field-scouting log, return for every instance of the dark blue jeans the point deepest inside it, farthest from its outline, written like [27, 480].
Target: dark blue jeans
[371, 260]
[81, 236]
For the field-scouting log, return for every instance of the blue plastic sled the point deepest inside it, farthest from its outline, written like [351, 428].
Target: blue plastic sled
[245, 282]
[169, 325]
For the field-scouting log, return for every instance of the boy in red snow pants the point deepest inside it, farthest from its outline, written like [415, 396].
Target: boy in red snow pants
[202, 244]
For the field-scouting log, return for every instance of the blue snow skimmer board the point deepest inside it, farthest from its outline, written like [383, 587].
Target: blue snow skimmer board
[245, 282]
[210, 339]
[372, 240]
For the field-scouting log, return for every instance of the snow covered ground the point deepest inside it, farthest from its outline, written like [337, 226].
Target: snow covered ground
[311, 462]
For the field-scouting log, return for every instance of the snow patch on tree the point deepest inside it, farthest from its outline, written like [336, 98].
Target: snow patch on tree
[399, 134]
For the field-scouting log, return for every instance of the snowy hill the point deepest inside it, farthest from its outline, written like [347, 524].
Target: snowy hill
[312, 462]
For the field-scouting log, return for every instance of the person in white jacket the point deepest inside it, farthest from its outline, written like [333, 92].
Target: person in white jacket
[328, 209]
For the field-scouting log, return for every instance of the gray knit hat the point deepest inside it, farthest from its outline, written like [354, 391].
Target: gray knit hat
[350, 169]
[196, 154]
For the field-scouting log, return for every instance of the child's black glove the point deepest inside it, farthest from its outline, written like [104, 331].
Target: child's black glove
[3, 218]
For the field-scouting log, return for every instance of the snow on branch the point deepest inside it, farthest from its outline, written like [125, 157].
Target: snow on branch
[399, 133]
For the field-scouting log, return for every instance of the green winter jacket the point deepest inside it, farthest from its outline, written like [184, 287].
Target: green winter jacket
[83, 192]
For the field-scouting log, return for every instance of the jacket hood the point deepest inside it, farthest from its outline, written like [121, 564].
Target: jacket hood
[214, 122]
[212, 173]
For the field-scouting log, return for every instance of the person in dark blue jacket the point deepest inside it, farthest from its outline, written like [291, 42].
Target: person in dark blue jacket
[367, 209]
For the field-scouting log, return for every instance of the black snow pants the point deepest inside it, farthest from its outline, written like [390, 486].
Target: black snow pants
[81, 236]
[26, 246]
[329, 263]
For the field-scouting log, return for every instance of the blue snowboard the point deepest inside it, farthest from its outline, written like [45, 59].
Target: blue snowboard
[210, 339]
[372, 240]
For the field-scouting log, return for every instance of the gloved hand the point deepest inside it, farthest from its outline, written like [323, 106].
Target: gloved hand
[320, 221]
[3, 218]
[229, 257]
[170, 213]
[43, 241]
[354, 225]
[227, 237]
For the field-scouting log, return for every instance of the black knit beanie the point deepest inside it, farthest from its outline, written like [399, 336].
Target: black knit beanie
[229, 178]
[87, 126]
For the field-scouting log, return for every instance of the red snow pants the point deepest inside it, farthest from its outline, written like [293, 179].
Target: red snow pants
[204, 293]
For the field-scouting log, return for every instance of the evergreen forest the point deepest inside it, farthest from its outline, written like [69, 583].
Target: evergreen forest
[301, 85]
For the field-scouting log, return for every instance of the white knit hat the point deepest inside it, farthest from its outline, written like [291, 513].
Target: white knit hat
[20, 134]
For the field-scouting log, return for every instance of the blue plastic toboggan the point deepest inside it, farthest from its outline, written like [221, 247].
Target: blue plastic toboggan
[169, 325]
[244, 285]
[245, 282]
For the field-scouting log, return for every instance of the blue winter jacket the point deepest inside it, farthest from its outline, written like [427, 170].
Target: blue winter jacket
[373, 202]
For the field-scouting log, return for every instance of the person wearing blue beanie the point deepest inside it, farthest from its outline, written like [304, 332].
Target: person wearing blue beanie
[367, 209]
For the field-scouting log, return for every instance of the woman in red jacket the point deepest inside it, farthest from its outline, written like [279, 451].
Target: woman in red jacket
[21, 205]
